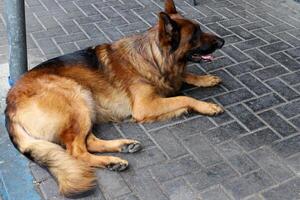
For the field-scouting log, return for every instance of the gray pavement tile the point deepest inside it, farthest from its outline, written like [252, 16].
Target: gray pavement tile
[277, 123]
[287, 147]
[251, 121]
[202, 150]
[243, 68]
[288, 190]
[224, 132]
[175, 168]
[211, 176]
[257, 139]
[249, 184]
[215, 193]
[254, 84]
[276, 167]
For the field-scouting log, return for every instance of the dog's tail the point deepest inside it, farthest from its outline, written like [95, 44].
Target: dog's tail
[73, 176]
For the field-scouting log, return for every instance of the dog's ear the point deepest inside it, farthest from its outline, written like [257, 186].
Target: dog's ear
[170, 7]
[169, 33]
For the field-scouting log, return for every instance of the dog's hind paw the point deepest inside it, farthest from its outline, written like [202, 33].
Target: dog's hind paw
[132, 148]
[120, 166]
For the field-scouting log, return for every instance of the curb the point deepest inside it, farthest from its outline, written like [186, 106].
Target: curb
[16, 180]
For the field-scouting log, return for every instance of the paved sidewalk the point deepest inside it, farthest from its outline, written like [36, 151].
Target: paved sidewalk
[252, 151]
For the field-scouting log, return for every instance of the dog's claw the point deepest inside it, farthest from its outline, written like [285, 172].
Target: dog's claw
[117, 166]
[131, 148]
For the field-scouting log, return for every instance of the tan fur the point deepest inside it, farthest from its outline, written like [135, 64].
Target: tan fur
[52, 108]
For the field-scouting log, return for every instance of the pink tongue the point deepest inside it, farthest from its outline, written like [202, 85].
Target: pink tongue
[207, 57]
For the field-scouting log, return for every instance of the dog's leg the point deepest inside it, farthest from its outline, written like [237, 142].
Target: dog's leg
[201, 81]
[148, 106]
[77, 148]
[95, 144]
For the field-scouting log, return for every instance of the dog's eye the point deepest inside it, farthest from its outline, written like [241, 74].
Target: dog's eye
[196, 35]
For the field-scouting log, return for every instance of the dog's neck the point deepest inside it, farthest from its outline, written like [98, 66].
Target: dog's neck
[151, 61]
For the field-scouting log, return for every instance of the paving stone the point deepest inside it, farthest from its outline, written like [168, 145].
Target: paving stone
[128, 197]
[202, 150]
[296, 121]
[260, 57]
[168, 142]
[222, 118]
[112, 184]
[178, 189]
[106, 131]
[270, 72]
[275, 47]
[272, 164]
[175, 168]
[211, 176]
[265, 35]
[278, 28]
[283, 89]
[233, 22]
[246, 117]
[235, 53]
[285, 60]
[227, 80]
[290, 110]
[294, 53]
[47, 46]
[254, 84]
[277, 123]
[204, 93]
[294, 162]
[249, 184]
[70, 38]
[215, 193]
[231, 39]
[227, 13]
[234, 97]
[92, 31]
[248, 16]
[146, 157]
[68, 47]
[257, 139]
[264, 102]
[243, 33]
[249, 44]
[289, 38]
[224, 133]
[269, 18]
[287, 147]
[287, 190]
[256, 25]
[243, 68]
[143, 185]
[134, 131]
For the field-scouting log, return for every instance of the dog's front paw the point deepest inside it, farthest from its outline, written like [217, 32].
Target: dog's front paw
[210, 109]
[212, 80]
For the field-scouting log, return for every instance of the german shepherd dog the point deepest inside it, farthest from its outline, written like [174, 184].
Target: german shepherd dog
[51, 109]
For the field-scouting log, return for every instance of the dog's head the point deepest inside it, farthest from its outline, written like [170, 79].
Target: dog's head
[184, 37]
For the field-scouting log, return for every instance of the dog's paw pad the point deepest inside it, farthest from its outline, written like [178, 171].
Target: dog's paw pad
[131, 148]
[117, 166]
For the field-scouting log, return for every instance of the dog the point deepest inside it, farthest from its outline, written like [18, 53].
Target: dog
[52, 108]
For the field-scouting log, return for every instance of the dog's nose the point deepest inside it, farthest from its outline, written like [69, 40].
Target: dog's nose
[220, 43]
